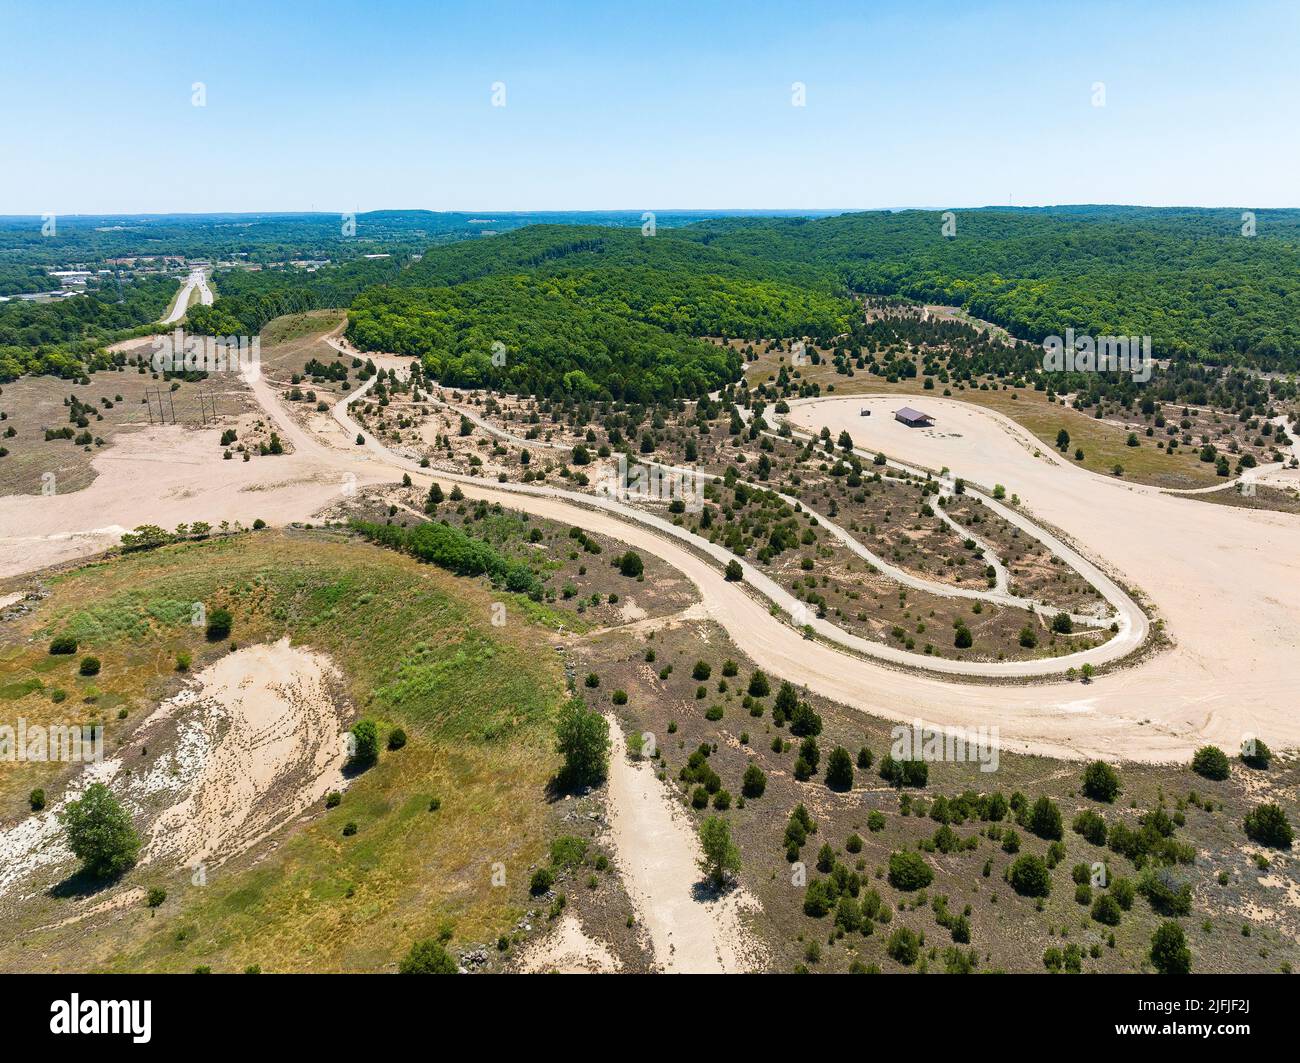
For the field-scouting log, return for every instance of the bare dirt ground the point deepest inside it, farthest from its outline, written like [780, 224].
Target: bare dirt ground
[249, 744]
[272, 727]
[568, 950]
[165, 475]
[657, 851]
[1226, 581]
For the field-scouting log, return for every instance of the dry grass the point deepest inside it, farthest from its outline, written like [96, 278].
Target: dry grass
[1103, 444]
[417, 650]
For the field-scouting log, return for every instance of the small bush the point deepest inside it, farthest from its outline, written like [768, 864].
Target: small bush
[1169, 952]
[1255, 754]
[1211, 762]
[582, 738]
[365, 737]
[1091, 825]
[568, 850]
[1029, 876]
[1267, 824]
[1106, 910]
[839, 770]
[904, 946]
[219, 624]
[908, 871]
[1100, 782]
[427, 957]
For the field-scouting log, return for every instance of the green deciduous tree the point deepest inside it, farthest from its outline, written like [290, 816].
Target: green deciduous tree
[100, 832]
[721, 857]
[582, 738]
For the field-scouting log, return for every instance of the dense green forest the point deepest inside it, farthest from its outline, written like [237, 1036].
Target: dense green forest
[552, 343]
[15, 279]
[248, 299]
[267, 238]
[591, 311]
[1187, 278]
[608, 310]
[62, 336]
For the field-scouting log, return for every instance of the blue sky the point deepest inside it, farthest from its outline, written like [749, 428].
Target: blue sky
[338, 106]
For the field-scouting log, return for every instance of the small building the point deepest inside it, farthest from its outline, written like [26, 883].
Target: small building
[914, 418]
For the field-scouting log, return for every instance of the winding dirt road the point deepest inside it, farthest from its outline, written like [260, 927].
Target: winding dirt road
[1225, 580]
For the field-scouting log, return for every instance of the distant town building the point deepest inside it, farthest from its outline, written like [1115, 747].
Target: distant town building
[913, 418]
[70, 277]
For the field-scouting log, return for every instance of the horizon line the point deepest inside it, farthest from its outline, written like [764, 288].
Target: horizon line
[515, 211]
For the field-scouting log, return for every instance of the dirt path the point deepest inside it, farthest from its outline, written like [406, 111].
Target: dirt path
[657, 850]
[1228, 584]
[543, 501]
[998, 594]
[1225, 580]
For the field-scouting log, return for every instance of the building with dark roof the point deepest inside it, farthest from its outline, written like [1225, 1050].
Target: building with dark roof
[914, 418]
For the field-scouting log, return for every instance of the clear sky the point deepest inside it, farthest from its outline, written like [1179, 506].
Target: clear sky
[622, 104]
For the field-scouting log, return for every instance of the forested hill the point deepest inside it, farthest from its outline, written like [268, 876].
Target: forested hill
[593, 311]
[1188, 278]
[607, 310]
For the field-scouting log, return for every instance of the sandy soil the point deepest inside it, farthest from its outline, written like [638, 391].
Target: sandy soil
[656, 853]
[272, 738]
[568, 950]
[250, 743]
[1224, 578]
[166, 475]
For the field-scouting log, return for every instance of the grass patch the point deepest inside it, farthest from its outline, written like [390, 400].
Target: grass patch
[417, 649]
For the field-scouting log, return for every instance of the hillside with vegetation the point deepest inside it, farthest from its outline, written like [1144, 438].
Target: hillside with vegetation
[589, 299]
